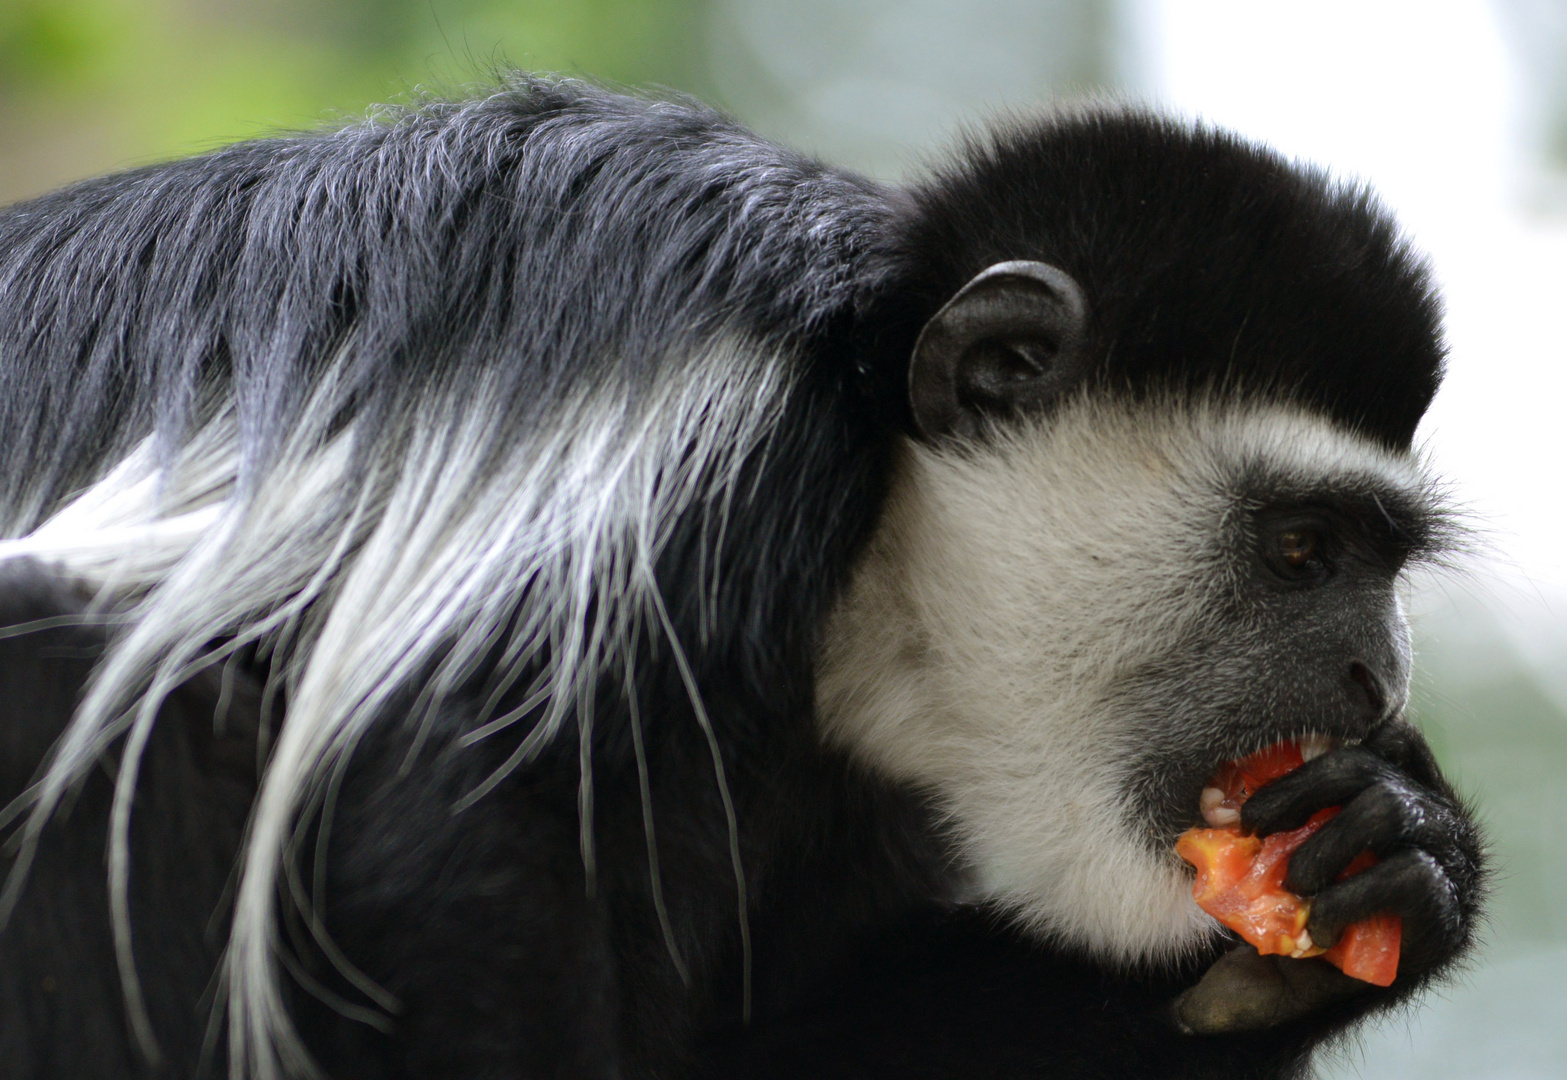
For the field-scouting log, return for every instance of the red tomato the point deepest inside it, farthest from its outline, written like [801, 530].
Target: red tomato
[1240, 879]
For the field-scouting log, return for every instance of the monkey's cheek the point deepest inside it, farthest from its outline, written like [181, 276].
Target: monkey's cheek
[1244, 991]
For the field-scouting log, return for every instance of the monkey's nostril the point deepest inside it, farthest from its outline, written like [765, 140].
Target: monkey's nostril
[1376, 700]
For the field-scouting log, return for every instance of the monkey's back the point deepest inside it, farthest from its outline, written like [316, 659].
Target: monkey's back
[539, 240]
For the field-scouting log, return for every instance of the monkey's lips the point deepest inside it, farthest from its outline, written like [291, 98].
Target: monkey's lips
[1240, 878]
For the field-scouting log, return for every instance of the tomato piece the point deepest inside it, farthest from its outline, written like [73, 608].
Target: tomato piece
[1238, 779]
[1240, 882]
[1240, 879]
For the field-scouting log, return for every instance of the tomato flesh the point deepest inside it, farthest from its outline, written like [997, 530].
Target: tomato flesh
[1240, 879]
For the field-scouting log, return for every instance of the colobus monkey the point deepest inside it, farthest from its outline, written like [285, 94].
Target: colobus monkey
[554, 585]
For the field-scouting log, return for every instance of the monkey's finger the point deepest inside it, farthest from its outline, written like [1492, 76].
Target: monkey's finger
[1410, 884]
[1329, 780]
[1399, 743]
[1382, 818]
[1247, 992]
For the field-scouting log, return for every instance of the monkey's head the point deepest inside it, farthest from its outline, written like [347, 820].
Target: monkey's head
[1151, 512]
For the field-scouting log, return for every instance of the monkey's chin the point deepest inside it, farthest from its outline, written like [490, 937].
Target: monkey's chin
[1117, 901]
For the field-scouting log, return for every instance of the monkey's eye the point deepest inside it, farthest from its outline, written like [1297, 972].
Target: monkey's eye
[1296, 551]
[1297, 547]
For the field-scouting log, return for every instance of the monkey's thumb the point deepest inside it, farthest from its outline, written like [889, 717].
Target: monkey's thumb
[1247, 992]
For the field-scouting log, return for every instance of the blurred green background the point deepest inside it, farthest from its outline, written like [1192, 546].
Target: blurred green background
[92, 85]
[88, 86]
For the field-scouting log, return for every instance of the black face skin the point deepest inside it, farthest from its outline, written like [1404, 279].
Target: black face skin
[1314, 642]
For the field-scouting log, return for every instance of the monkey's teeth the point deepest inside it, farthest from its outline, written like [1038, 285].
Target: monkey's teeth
[1213, 812]
[1303, 945]
[1314, 746]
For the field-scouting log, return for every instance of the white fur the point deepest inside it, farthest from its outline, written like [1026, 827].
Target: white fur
[984, 646]
[357, 580]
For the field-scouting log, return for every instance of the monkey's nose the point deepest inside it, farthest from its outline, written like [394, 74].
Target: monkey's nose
[1366, 690]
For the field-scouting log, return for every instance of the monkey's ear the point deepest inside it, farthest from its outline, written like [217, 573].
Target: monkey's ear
[1011, 340]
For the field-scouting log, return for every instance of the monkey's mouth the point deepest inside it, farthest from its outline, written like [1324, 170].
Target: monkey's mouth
[1193, 796]
[1233, 782]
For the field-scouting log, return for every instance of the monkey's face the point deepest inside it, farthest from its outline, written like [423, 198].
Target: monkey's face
[1062, 629]
[1080, 602]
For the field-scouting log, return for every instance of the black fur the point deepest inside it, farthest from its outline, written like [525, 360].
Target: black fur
[58, 995]
[545, 238]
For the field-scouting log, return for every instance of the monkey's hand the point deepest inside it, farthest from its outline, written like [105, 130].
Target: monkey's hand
[1397, 805]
